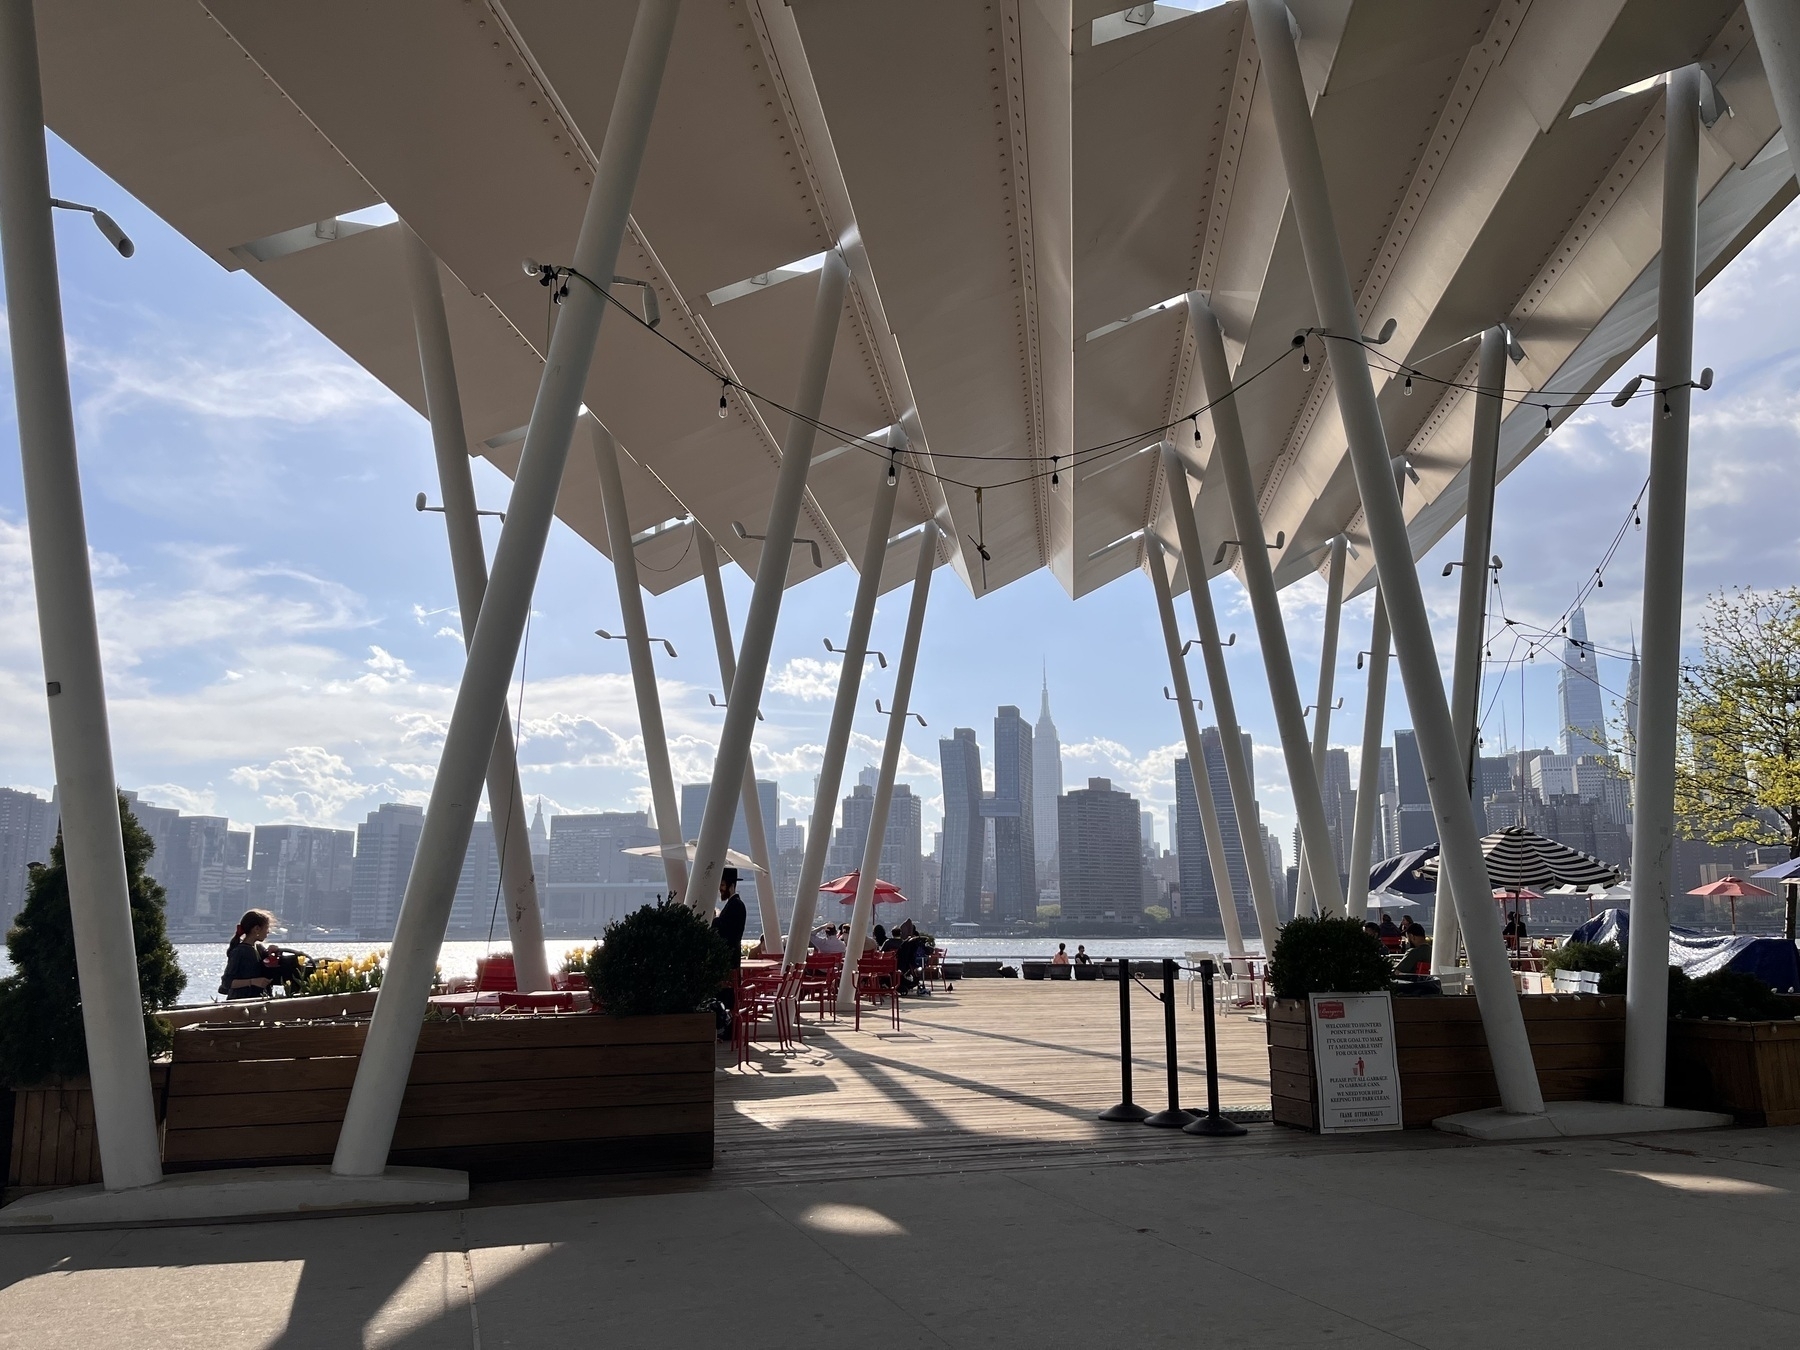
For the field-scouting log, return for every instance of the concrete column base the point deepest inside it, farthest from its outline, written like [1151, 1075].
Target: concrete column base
[1576, 1120]
[235, 1193]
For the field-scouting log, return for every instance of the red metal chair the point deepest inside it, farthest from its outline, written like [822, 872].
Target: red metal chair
[820, 981]
[878, 981]
[756, 1000]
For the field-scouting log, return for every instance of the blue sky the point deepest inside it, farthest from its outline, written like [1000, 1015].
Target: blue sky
[280, 641]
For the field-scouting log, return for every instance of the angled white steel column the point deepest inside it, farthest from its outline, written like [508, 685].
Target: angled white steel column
[1190, 733]
[862, 915]
[1443, 764]
[112, 1013]
[643, 661]
[381, 1074]
[1321, 741]
[1471, 609]
[843, 713]
[1259, 583]
[753, 816]
[1665, 545]
[1368, 772]
[1776, 24]
[468, 561]
[771, 578]
[1218, 680]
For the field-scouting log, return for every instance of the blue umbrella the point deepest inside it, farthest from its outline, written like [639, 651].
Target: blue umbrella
[1401, 873]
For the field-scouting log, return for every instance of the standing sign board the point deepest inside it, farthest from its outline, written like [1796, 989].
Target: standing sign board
[1354, 1064]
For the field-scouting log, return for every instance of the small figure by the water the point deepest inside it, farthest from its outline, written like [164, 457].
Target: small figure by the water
[246, 974]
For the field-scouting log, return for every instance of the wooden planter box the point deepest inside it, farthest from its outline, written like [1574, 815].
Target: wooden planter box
[1578, 1042]
[1751, 1069]
[497, 1097]
[52, 1133]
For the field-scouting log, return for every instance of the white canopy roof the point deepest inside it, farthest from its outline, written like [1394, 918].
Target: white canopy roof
[1009, 179]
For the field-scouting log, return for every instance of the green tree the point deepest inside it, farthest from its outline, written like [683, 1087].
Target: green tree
[1737, 774]
[40, 1003]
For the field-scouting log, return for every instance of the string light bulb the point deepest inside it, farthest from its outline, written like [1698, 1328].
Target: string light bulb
[1055, 477]
[1549, 426]
[1305, 359]
[1407, 387]
[724, 407]
[1196, 431]
[893, 477]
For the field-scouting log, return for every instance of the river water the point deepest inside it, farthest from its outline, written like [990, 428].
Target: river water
[203, 963]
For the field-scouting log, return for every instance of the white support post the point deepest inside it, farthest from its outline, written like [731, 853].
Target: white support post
[837, 735]
[381, 1074]
[468, 561]
[1776, 24]
[1321, 741]
[1471, 609]
[753, 816]
[643, 660]
[862, 914]
[1259, 582]
[112, 1012]
[771, 579]
[1190, 733]
[1501, 1016]
[1368, 772]
[1665, 545]
[1238, 775]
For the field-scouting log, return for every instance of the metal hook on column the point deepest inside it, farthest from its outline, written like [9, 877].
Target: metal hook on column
[867, 652]
[668, 646]
[1219, 557]
[888, 712]
[737, 528]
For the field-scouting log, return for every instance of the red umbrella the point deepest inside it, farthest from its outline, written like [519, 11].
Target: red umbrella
[1732, 889]
[886, 893]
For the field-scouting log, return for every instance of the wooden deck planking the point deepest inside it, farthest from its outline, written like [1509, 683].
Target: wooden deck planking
[997, 1073]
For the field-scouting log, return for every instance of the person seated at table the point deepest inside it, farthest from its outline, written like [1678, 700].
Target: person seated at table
[1416, 959]
[1062, 955]
[1515, 929]
[1387, 927]
[881, 938]
[826, 942]
[1081, 955]
[245, 974]
[1372, 929]
[1412, 926]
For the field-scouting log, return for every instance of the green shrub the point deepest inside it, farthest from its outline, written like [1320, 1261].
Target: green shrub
[1730, 994]
[1614, 982]
[1590, 956]
[1327, 956]
[657, 960]
[41, 1034]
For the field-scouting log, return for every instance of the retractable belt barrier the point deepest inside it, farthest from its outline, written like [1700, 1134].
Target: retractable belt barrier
[1212, 1124]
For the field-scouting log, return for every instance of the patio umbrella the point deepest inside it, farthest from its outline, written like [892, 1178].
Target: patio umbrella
[886, 893]
[1520, 857]
[1614, 895]
[1402, 874]
[1732, 889]
[1392, 900]
[686, 853]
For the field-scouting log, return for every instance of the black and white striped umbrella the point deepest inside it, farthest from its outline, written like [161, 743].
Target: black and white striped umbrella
[1519, 857]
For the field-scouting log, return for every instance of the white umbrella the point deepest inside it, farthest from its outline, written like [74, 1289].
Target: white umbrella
[686, 853]
[1392, 900]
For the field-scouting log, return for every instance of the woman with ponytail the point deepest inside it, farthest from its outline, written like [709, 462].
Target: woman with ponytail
[245, 974]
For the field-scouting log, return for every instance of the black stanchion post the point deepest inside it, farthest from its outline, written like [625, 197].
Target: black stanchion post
[1212, 1123]
[1171, 1117]
[1127, 1109]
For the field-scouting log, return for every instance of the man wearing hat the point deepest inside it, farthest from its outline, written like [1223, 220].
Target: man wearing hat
[729, 924]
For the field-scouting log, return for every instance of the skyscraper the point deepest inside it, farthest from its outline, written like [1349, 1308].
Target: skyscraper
[965, 831]
[693, 809]
[1338, 789]
[27, 829]
[302, 873]
[1100, 836]
[1578, 693]
[1415, 826]
[902, 842]
[1199, 893]
[385, 846]
[1011, 809]
[1631, 713]
[1046, 781]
